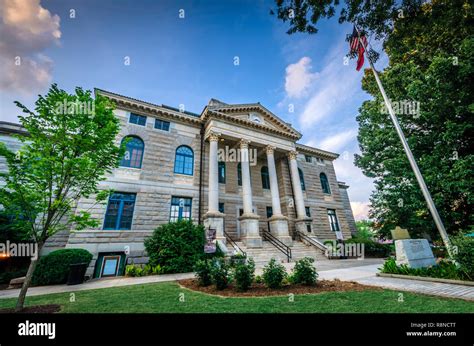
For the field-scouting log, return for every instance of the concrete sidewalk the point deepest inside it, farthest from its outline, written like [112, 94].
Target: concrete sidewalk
[96, 284]
[363, 274]
[366, 275]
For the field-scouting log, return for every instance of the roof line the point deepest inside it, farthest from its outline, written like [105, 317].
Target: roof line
[148, 103]
[317, 151]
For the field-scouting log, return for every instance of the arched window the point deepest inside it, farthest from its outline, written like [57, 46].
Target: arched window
[265, 177]
[221, 170]
[184, 160]
[300, 172]
[324, 183]
[239, 174]
[133, 155]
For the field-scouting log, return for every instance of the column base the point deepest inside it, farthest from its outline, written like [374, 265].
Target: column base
[279, 228]
[304, 226]
[215, 220]
[249, 230]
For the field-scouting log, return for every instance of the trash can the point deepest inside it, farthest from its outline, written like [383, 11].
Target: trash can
[76, 273]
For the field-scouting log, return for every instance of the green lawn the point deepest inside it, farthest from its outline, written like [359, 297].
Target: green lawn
[165, 298]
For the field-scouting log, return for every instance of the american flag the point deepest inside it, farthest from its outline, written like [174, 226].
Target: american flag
[357, 47]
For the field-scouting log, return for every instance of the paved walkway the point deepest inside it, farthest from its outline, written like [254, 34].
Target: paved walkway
[367, 275]
[363, 274]
[95, 284]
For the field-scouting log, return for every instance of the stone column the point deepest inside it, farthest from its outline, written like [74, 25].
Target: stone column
[213, 218]
[213, 174]
[248, 220]
[302, 222]
[278, 222]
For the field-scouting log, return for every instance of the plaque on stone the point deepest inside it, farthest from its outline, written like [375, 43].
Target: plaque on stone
[415, 253]
[399, 233]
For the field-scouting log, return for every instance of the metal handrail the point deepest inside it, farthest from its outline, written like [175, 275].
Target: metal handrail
[234, 244]
[278, 244]
[312, 241]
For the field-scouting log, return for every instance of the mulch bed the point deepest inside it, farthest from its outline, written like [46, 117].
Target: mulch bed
[259, 290]
[36, 309]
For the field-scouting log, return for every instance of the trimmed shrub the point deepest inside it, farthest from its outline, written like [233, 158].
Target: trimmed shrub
[464, 255]
[177, 246]
[237, 259]
[273, 274]
[54, 267]
[442, 270]
[258, 279]
[6, 277]
[203, 269]
[304, 272]
[137, 270]
[244, 274]
[220, 274]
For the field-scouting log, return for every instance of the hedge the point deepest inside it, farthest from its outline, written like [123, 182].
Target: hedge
[177, 246]
[54, 267]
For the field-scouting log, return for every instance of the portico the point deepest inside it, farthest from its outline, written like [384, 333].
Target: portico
[245, 139]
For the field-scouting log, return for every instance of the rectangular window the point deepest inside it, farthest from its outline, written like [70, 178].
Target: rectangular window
[162, 125]
[221, 207]
[269, 212]
[308, 211]
[333, 220]
[308, 158]
[137, 119]
[221, 172]
[119, 212]
[110, 266]
[180, 208]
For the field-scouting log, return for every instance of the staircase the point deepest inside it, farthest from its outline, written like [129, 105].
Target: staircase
[263, 255]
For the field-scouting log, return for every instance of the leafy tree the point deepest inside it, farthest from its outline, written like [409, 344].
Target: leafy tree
[430, 49]
[431, 63]
[365, 229]
[69, 148]
[377, 17]
[178, 246]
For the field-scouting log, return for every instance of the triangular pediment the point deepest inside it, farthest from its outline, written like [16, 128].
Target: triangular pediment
[255, 114]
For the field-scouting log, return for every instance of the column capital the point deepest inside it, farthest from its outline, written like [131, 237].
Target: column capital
[244, 143]
[292, 155]
[213, 136]
[269, 149]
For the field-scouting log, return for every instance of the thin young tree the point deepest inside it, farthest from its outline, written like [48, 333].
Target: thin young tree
[70, 147]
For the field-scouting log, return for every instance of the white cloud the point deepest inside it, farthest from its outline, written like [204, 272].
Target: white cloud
[27, 29]
[334, 86]
[326, 92]
[336, 142]
[360, 210]
[299, 78]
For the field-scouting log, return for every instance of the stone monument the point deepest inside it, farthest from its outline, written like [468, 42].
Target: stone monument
[399, 233]
[415, 253]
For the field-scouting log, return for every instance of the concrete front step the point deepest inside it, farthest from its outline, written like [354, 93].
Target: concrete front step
[299, 250]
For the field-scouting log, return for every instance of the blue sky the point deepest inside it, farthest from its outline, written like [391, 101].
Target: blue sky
[189, 60]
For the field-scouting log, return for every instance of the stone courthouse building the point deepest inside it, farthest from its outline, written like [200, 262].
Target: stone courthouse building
[237, 168]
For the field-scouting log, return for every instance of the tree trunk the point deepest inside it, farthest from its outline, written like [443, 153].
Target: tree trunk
[26, 284]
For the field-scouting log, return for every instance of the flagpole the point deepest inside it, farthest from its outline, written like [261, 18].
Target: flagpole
[411, 159]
